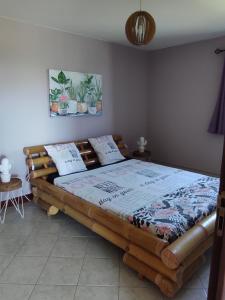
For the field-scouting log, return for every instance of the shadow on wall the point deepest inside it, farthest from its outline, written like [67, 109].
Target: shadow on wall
[129, 90]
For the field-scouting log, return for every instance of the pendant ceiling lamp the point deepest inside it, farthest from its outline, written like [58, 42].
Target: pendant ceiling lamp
[140, 27]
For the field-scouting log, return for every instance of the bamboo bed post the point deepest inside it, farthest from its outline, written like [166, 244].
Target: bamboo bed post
[175, 253]
[168, 287]
[155, 263]
[51, 210]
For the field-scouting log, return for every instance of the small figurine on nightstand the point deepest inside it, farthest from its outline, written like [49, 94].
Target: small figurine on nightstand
[142, 142]
[141, 153]
[5, 168]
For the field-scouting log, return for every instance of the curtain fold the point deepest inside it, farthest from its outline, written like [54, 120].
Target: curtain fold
[217, 124]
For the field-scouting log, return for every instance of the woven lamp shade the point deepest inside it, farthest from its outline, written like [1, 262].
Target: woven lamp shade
[140, 28]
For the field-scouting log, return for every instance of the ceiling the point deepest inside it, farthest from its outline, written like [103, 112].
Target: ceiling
[178, 21]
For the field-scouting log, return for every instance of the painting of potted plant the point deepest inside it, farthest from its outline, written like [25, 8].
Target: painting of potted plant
[98, 95]
[81, 94]
[92, 105]
[54, 99]
[62, 81]
[90, 97]
[72, 103]
[74, 93]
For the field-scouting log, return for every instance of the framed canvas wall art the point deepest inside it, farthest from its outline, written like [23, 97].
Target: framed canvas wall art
[74, 94]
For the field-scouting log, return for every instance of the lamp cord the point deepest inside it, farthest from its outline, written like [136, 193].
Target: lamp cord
[140, 5]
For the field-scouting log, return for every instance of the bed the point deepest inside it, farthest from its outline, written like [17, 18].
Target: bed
[162, 218]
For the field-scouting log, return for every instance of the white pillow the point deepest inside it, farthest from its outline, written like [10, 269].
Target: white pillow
[66, 157]
[106, 149]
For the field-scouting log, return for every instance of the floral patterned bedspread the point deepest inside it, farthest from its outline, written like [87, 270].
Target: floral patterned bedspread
[175, 213]
[165, 201]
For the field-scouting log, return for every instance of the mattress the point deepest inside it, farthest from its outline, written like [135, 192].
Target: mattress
[165, 201]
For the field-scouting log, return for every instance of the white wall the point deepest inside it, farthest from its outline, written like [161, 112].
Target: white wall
[183, 85]
[26, 54]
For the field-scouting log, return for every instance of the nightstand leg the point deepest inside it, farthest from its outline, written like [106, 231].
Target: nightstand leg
[18, 203]
[3, 208]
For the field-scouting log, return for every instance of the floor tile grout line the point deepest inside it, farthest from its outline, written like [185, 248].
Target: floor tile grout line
[7, 265]
[81, 269]
[31, 292]
[48, 257]
[19, 249]
[86, 256]
[74, 295]
[43, 267]
[83, 262]
[16, 283]
[104, 285]
[13, 256]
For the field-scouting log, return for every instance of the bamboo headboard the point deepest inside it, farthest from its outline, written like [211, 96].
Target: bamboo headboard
[41, 165]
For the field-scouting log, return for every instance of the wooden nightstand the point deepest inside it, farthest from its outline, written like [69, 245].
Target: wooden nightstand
[145, 156]
[9, 189]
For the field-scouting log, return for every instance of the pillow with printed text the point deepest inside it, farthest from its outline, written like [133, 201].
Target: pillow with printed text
[66, 157]
[106, 149]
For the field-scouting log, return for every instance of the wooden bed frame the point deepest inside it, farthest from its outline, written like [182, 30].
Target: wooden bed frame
[169, 266]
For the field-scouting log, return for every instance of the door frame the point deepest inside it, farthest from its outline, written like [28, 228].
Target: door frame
[216, 288]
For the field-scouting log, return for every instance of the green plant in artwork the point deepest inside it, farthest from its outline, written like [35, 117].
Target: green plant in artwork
[54, 95]
[85, 89]
[89, 84]
[98, 90]
[81, 92]
[61, 80]
[71, 91]
[63, 105]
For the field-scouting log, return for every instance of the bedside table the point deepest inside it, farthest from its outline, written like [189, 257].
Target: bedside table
[145, 156]
[9, 189]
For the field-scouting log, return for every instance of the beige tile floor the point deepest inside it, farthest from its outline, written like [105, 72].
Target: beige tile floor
[56, 258]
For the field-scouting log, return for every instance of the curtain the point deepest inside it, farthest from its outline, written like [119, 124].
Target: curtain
[217, 124]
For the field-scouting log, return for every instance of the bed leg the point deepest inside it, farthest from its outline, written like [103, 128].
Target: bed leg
[50, 209]
[35, 194]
